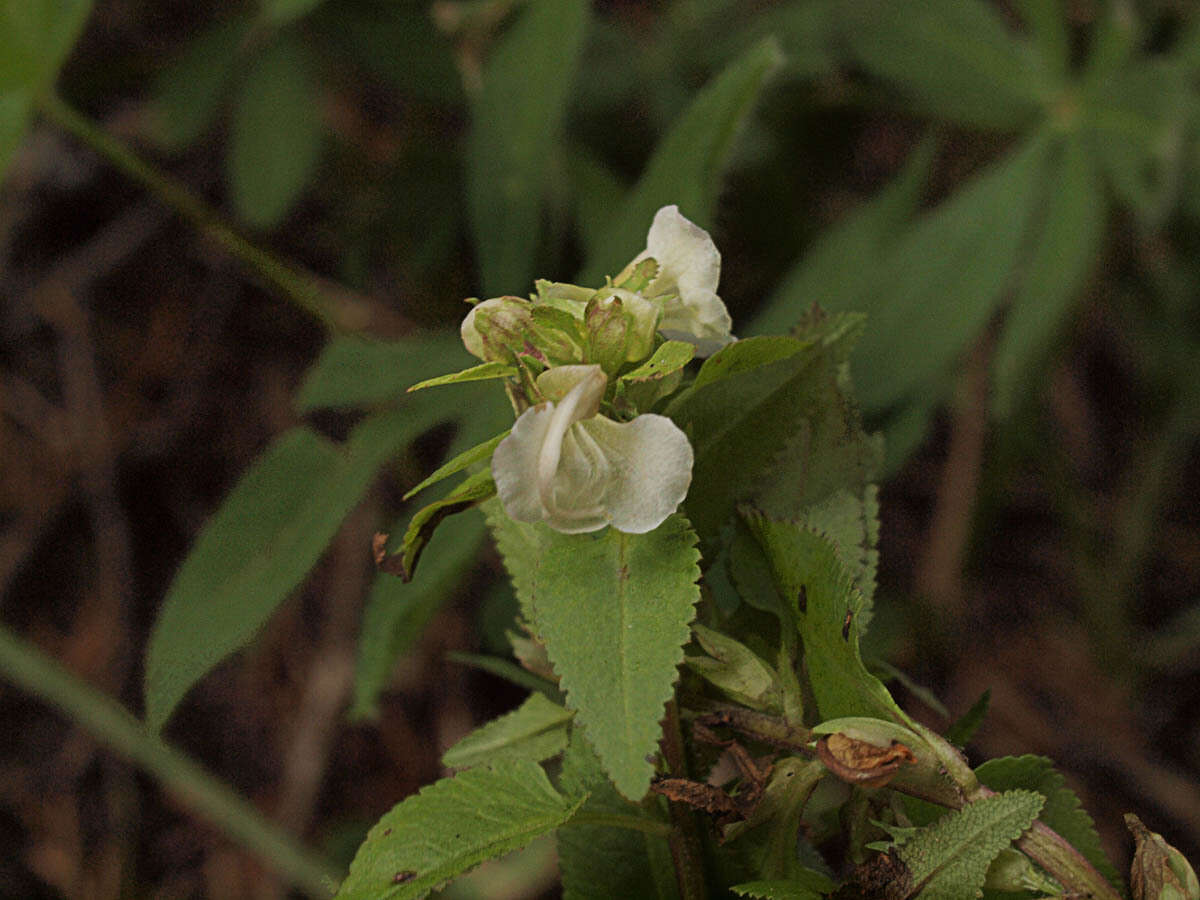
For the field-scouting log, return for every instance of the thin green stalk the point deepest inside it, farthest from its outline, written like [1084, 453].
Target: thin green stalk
[114, 726]
[302, 288]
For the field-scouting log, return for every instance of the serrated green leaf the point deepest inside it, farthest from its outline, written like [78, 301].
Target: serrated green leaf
[600, 862]
[613, 610]
[257, 548]
[949, 859]
[687, 163]
[276, 136]
[825, 602]
[452, 826]
[1063, 812]
[837, 268]
[1065, 251]
[521, 546]
[797, 889]
[536, 730]
[953, 59]
[941, 281]
[747, 403]
[768, 837]
[280, 12]
[963, 729]
[464, 460]
[471, 491]
[187, 93]
[670, 357]
[35, 38]
[516, 121]
[482, 372]
[397, 612]
[354, 371]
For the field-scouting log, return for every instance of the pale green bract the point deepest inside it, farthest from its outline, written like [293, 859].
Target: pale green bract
[576, 470]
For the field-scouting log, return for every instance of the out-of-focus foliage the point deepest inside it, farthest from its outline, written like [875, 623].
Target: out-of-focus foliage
[429, 152]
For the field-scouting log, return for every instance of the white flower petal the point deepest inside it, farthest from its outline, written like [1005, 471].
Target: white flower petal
[651, 468]
[689, 268]
[541, 470]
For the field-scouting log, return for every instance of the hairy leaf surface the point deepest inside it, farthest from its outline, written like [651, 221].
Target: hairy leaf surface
[613, 610]
[453, 825]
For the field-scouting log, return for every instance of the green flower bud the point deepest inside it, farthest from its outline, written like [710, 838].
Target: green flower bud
[495, 329]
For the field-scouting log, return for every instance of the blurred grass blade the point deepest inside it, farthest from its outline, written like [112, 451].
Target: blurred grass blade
[35, 38]
[942, 280]
[280, 12]
[397, 612]
[15, 110]
[189, 91]
[598, 194]
[516, 123]
[687, 163]
[275, 142]
[838, 267]
[953, 59]
[1064, 253]
[257, 548]
[117, 729]
[355, 371]
[1046, 23]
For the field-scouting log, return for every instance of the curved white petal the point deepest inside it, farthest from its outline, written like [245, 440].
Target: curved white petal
[578, 471]
[540, 470]
[651, 468]
[689, 268]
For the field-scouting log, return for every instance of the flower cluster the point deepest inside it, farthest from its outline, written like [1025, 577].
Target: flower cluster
[584, 365]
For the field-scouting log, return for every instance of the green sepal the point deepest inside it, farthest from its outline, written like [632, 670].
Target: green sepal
[638, 277]
[481, 372]
[671, 356]
[736, 671]
[478, 453]
[475, 489]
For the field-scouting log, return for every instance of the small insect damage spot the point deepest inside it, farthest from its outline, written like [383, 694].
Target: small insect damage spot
[802, 599]
[404, 877]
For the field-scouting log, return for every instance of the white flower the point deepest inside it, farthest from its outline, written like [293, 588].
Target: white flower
[689, 266]
[577, 471]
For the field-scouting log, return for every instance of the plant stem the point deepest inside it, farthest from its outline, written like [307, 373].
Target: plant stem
[113, 725]
[685, 835]
[304, 289]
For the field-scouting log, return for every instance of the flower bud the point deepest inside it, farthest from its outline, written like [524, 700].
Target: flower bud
[495, 329]
[1159, 871]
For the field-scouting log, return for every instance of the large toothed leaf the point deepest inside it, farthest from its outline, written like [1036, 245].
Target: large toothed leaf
[687, 163]
[949, 859]
[536, 730]
[613, 610]
[257, 548]
[827, 607]
[452, 826]
[1063, 812]
[600, 862]
[748, 403]
[516, 121]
